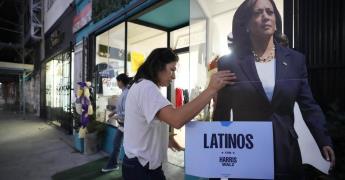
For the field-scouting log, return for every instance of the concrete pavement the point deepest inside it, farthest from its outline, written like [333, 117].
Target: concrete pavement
[31, 149]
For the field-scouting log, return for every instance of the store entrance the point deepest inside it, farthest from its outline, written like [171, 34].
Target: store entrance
[181, 89]
[125, 46]
[58, 91]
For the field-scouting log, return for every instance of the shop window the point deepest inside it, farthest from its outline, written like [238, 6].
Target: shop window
[58, 89]
[77, 68]
[110, 55]
[189, 44]
[141, 41]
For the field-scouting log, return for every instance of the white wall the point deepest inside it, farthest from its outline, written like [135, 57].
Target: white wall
[54, 12]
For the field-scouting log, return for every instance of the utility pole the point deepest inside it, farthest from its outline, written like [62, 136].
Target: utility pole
[22, 22]
[42, 55]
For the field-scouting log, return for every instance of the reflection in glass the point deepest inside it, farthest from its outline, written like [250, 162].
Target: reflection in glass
[110, 56]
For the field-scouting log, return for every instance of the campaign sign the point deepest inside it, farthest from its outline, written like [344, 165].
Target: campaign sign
[227, 149]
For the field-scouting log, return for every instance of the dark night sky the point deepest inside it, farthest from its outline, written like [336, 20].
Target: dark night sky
[9, 19]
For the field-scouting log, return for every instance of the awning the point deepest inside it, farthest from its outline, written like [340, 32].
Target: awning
[169, 16]
[8, 66]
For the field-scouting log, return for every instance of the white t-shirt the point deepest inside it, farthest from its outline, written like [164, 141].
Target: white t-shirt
[145, 137]
[267, 75]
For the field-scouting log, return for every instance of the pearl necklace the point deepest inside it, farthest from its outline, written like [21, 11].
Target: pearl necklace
[266, 59]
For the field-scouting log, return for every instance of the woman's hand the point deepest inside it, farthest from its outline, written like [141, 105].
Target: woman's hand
[179, 117]
[221, 79]
[173, 145]
[328, 153]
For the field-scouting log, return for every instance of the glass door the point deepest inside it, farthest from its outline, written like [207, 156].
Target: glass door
[58, 90]
[110, 62]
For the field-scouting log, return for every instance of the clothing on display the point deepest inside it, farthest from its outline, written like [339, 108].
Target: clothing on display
[179, 97]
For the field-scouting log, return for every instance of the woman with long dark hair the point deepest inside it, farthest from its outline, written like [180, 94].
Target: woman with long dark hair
[148, 114]
[270, 79]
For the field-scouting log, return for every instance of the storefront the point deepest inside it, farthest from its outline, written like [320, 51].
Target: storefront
[197, 30]
[125, 46]
[93, 18]
[57, 72]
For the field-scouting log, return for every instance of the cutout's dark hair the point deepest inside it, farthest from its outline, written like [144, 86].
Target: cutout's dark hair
[155, 62]
[241, 39]
[124, 78]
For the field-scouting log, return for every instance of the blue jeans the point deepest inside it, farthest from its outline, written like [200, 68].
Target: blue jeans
[133, 170]
[112, 163]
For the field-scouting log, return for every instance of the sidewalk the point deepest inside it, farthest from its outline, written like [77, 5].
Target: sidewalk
[31, 149]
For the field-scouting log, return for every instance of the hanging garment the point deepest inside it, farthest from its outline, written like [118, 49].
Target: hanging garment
[185, 96]
[179, 97]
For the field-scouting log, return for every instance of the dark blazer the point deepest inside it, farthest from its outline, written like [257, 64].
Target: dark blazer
[248, 102]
